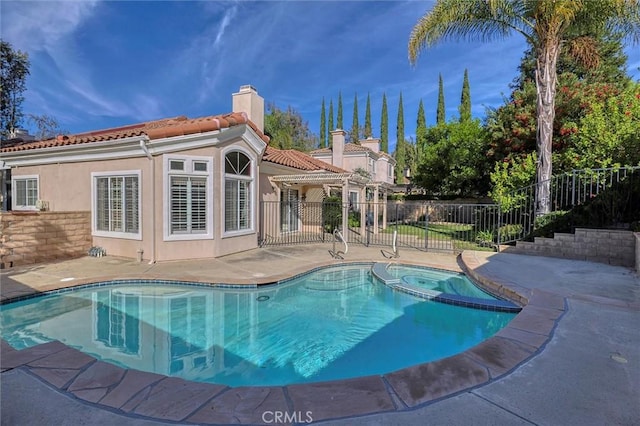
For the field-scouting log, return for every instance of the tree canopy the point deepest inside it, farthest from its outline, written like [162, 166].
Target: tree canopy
[367, 119]
[14, 69]
[549, 26]
[288, 130]
[400, 154]
[323, 126]
[441, 116]
[340, 123]
[421, 133]
[354, 135]
[384, 125]
[465, 99]
[452, 163]
[330, 126]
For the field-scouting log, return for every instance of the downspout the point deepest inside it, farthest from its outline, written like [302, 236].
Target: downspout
[145, 149]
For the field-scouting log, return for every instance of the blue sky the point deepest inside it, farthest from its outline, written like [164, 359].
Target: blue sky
[99, 64]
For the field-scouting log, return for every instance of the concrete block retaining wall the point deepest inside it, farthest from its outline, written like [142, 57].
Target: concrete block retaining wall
[612, 247]
[34, 237]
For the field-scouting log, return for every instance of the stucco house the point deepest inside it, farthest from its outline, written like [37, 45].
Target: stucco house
[176, 188]
[364, 158]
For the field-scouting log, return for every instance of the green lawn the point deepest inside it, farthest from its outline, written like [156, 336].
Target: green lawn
[462, 235]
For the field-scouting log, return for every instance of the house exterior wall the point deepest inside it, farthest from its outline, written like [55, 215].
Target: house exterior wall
[68, 187]
[352, 161]
[382, 171]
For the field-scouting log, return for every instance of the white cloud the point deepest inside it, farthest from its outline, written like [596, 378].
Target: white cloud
[37, 26]
[51, 32]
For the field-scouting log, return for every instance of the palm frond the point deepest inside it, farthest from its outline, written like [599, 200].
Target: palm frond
[484, 20]
[539, 21]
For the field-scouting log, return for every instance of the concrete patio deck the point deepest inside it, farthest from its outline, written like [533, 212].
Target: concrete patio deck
[572, 356]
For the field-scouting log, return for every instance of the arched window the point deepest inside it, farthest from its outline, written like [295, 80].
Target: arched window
[238, 184]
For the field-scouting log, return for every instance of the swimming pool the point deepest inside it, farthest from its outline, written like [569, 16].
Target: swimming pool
[333, 323]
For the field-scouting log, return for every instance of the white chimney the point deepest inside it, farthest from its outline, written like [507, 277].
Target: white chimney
[248, 101]
[337, 147]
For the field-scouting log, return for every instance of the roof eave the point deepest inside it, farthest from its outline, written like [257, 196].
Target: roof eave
[102, 150]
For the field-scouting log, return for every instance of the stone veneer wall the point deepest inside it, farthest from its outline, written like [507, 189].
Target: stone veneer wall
[34, 237]
[596, 245]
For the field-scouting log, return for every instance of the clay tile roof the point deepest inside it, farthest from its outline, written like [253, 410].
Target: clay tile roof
[168, 127]
[298, 160]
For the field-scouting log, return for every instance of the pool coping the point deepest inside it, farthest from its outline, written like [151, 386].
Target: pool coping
[152, 396]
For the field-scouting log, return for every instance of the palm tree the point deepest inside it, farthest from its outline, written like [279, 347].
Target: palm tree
[548, 26]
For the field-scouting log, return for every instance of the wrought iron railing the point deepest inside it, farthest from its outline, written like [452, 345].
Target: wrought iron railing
[568, 190]
[423, 225]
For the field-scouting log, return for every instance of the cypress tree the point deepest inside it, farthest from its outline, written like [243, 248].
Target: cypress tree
[330, 127]
[384, 125]
[465, 99]
[367, 119]
[400, 148]
[340, 123]
[421, 133]
[440, 113]
[355, 128]
[323, 126]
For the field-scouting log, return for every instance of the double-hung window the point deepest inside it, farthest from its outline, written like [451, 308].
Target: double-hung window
[238, 189]
[24, 192]
[116, 204]
[188, 213]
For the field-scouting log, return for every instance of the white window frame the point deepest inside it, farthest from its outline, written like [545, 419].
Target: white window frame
[188, 171]
[14, 193]
[252, 189]
[94, 194]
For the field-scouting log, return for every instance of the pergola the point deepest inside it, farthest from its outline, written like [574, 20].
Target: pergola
[345, 183]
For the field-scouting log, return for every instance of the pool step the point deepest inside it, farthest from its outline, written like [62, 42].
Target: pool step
[379, 271]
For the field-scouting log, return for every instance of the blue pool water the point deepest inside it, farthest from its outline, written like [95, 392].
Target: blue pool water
[438, 280]
[333, 323]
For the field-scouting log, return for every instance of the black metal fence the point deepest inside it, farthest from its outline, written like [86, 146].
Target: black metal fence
[422, 225]
[568, 190]
[432, 225]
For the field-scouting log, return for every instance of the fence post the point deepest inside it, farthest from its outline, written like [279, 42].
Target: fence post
[573, 188]
[396, 216]
[426, 227]
[367, 225]
[499, 225]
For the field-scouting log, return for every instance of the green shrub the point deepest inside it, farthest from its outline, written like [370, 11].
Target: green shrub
[354, 219]
[331, 213]
[484, 238]
[508, 178]
[548, 224]
[510, 232]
